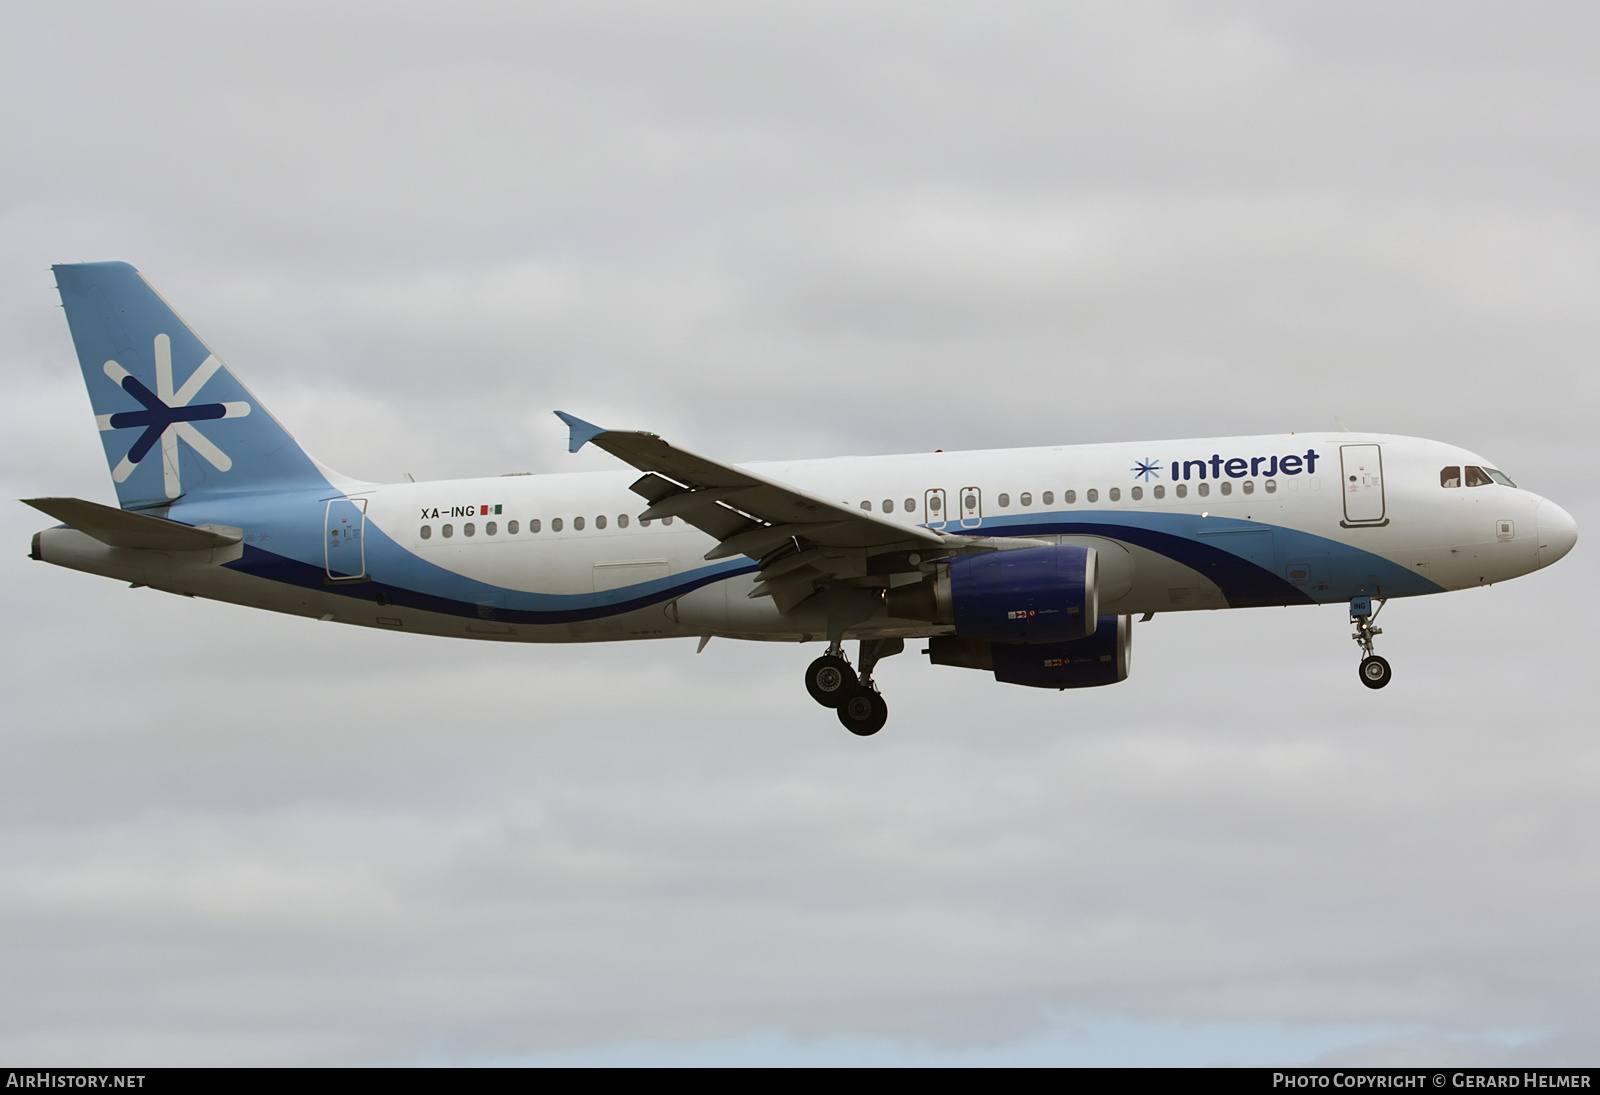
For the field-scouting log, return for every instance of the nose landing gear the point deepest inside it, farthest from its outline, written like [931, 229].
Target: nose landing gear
[1375, 671]
[832, 683]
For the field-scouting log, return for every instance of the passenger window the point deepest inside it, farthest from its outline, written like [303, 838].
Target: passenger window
[867, 506]
[426, 532]
[1138, 493]
[449, 531]
[1116, 494]
[468, 529]
[490, 529]
[600, 522]
[533, 525]
[1450, 477]
[1476, 478]
[511, 528]
[1226, 487]
[888, 505]
[933, 503]
[911, 505]
[1092, 494]
[1160, 491]
[1027, 499]
[1070, 497]
[1249, 486]
[666, 520]
[1049, 498]
[1271, 485]
[1205, 490]
[971, 502]
[577, 524]
[644, 522]
[1183, 490]
[1004, 500]
[555, 524]
[622, 520]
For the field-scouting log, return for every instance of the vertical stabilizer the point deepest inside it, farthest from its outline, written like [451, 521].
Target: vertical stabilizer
[175, 422]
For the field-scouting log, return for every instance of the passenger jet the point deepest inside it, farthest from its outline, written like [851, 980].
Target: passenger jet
[1030, 564]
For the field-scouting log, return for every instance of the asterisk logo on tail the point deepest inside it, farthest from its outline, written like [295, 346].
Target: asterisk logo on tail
[167, 416]
[1144, 469]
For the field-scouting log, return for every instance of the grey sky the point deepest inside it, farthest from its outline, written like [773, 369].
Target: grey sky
[771, 232]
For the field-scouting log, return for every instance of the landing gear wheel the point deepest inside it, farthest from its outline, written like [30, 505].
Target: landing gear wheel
[1375, 672]
[830, 680]
[864, 713]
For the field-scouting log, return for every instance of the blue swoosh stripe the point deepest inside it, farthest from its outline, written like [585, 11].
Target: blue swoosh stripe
[278, 568]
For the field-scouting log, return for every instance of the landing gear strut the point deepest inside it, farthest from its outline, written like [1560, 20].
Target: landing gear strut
[832, 683]
[1375, 671]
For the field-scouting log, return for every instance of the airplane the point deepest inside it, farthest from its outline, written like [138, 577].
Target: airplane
[1030, 564]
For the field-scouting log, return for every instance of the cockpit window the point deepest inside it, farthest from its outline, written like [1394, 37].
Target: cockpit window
[1450, 477]
[1476, 477]
[1500, 477]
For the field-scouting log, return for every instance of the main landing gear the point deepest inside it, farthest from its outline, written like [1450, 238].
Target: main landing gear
[1375, 671]
[829, 679]
[832, 683]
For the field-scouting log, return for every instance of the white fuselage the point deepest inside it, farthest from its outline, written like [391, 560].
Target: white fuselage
[1208, 523]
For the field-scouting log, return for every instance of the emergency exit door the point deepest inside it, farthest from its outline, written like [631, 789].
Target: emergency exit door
[971, 507]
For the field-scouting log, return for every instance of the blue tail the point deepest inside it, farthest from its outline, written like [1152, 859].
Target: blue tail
[174, 421]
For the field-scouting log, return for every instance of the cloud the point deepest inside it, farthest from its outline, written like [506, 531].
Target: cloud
[233, 837]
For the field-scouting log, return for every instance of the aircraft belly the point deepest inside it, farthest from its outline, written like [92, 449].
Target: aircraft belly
[1475, 564]
[725, 607]
[1161, 584]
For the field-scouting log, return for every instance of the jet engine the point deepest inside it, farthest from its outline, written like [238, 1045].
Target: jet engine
[1027, 595]
[1101, 658]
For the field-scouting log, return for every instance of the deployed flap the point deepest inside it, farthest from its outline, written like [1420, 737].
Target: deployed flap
[127, 529]
[748, 514]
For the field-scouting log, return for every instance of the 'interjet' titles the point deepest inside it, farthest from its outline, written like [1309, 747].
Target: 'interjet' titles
[1241, 467]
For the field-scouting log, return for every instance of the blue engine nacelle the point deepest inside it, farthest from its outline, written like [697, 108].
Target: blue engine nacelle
[1031, 595]
[1101, 658]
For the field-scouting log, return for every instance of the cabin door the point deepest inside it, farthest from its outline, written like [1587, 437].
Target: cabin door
[343, 542]
[1362, 477]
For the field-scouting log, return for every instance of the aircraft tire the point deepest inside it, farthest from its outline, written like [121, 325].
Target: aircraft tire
[864, 713]
[830, 680]
[1375, 672]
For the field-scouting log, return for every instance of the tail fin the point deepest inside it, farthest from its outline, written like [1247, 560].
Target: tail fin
[173, 419]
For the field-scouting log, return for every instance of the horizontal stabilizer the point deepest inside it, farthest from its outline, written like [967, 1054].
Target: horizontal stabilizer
[121, 528]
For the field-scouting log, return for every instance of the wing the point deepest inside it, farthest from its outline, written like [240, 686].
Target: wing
[799, 538]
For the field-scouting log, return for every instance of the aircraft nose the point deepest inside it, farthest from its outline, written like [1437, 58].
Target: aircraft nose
[1557, 532]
